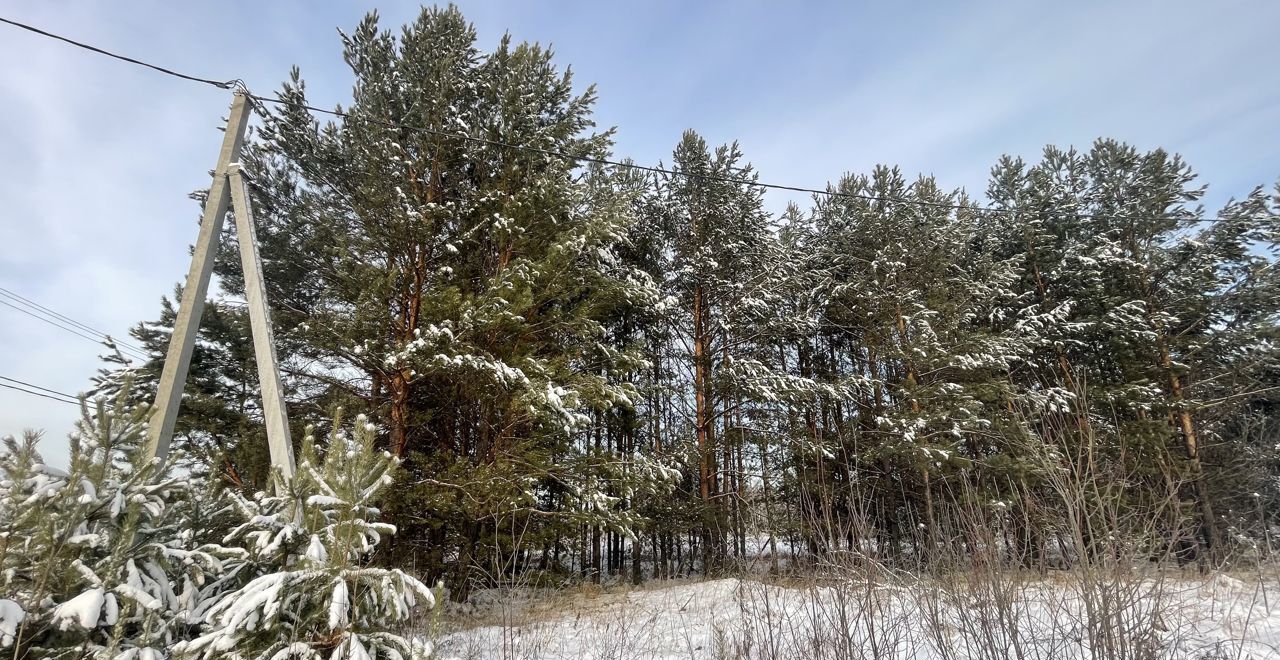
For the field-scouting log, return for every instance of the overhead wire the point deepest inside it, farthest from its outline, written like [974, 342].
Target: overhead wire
[72, 397]
[628, 164]
[31, 303]
[60, 396]
[45, 396]
[49, 321]
[53, 395]
[60, 326]
[225, 84]
[236, 83]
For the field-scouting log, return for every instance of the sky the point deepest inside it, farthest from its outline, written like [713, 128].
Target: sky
[97, 157]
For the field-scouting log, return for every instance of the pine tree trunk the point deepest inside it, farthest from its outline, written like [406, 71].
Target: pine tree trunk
[728, 478]
[636, 547]
[595, 554]
[595, 529]
[766, 502]
[703, 421]
[1191, 446]
[739, 502]
[399, 413]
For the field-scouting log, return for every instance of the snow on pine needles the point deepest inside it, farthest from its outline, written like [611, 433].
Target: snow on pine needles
[118, 557]
[319, 599]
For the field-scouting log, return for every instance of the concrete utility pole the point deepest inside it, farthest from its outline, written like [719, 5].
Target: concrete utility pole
[228, 189]
[264, 343]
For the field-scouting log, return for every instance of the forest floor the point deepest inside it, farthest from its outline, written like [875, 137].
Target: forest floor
[1212, 617]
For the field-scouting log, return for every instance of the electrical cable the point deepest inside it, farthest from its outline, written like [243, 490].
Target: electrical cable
[37, 387]
[46, 396]
[31, 303]
[239, 84]
[227, 84]
[63, 327]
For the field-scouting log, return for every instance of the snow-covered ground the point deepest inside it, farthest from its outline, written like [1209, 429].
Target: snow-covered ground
[1213, 618]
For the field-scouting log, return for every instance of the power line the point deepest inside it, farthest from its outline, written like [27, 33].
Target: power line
[626, 163]
[46, 396]
[37, 387]
[50, 322]
[689, 175]
[51, 394]
[68, 319]
[96, 340]
[238, 83]
[228, 84]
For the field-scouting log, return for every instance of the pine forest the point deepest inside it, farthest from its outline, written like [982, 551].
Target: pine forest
[513, 358]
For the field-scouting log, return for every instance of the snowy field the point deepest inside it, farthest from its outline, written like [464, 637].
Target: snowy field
[1209, 618]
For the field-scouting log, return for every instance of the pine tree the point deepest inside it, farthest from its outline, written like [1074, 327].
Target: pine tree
[94, 561]
[308, 591]
[117, 558]
[459, 288]
[1125, 292]
[917, 371]
[717, 238]
[568, 357]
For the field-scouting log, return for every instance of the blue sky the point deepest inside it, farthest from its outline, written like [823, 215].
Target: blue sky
[97, 157]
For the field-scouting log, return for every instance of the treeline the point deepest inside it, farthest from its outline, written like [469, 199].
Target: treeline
[590, 369]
